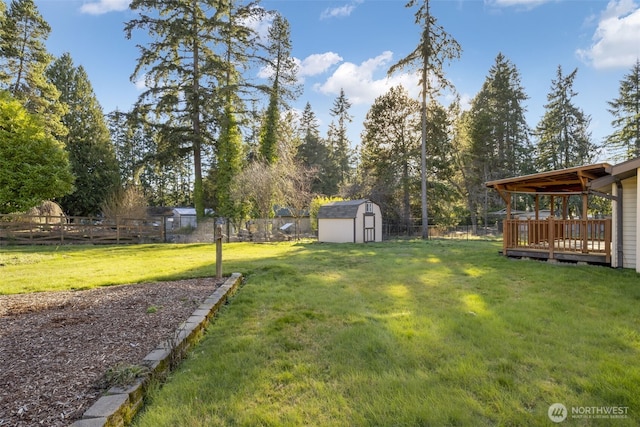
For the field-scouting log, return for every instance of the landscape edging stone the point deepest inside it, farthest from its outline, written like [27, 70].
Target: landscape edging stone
[120, 404]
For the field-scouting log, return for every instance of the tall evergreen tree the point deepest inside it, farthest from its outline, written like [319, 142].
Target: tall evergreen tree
[338, 141]
[498, 134]
[465, 179]
[283, 87]
[183, 72]
[436, 48]
[23, 63]
[312, 152]
[228, 154]
[625, 140]
[121, 132]
[391, 151]
[92, 157]
[227, 167]
[563, 136]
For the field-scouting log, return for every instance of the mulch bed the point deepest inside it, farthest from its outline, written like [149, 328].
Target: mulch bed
[55, 347]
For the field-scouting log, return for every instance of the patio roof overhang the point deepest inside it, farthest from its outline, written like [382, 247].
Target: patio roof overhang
[558, 182]
[615, 174]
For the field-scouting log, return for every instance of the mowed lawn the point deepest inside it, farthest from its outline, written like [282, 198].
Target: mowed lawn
[396, 333]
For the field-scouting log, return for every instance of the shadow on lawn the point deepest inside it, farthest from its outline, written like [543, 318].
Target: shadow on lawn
[411, 333]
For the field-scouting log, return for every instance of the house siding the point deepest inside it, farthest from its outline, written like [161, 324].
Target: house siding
[614, 228]
[629, 222]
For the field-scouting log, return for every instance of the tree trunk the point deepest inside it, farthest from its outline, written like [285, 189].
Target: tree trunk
[406, 199]
[198, 192]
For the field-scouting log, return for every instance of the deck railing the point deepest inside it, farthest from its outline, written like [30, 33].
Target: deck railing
[591, 236]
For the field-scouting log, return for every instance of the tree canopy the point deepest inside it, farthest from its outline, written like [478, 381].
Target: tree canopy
[563, 132]
[88, 143]
[625, 140]
[24, 59]
[33, 166]
[435, 49]
[214, 126]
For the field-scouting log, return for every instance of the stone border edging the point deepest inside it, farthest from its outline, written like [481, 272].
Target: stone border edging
[119, 405]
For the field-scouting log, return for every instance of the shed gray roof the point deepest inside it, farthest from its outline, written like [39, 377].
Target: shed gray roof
[343, 209]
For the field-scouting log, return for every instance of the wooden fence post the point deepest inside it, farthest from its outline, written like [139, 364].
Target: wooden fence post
[218, 236]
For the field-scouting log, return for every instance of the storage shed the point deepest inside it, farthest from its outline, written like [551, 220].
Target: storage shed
[352, 221]
[186, 217]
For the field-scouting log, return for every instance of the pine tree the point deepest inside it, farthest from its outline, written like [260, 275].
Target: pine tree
[283, 85]
[122, 140]
[464, 178]
[625, 141]
[498, 135]
[339, 144]
[88, 143]
[435, 49]
[563, 136]
[23, 63]
[227, 168]
[269, 132]
[390, 152]
[500, 132]
[184, 71]
[227, 161]
[312, 152]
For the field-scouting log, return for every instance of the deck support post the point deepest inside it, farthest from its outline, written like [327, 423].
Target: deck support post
[585, 219]
[552, 238]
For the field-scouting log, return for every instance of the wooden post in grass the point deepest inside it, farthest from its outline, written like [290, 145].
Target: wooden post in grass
[218, 236]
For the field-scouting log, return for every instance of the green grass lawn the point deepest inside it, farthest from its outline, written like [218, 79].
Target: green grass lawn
[26, 269]
[396, 333]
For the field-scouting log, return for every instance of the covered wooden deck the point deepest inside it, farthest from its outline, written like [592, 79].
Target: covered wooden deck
[556, 237]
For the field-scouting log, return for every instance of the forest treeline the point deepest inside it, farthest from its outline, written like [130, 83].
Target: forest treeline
[214, 127]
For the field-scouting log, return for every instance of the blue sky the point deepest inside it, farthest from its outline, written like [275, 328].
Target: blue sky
[351, 45]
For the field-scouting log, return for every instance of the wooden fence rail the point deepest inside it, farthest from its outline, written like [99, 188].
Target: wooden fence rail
[55, 230]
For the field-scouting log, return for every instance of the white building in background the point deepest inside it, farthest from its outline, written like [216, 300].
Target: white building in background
[351, 221]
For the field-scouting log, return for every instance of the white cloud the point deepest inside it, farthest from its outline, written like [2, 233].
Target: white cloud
[340, 12]
[465, 101]
[104, 6]
[360, 84]
[259, 25]
[265, 72]
[141, 83]
[312, 65]
[616, 41]
[318, 63]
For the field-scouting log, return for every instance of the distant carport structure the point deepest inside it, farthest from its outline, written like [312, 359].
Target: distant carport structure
[558, 236]
[351, 221]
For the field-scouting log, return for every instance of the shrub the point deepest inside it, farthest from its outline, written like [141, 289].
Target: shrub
[315, 207]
